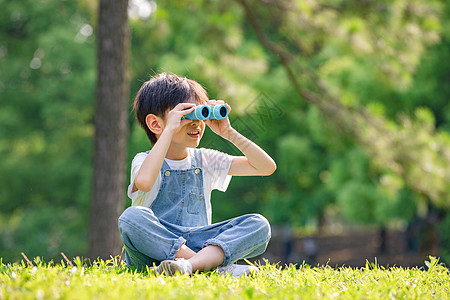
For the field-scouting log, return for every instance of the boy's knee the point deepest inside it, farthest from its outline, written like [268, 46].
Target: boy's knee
[134, 212]
[262, 225]
[135, 215]
[128, 214]
[124, 217]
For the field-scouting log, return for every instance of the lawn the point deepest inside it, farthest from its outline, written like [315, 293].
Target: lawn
[111, 280]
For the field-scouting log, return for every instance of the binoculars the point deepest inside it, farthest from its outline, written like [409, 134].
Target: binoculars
[203, 112]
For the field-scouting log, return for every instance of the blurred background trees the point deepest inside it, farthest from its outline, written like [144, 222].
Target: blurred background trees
[349, 97]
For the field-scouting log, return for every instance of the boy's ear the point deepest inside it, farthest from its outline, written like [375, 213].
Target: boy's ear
[154, 123]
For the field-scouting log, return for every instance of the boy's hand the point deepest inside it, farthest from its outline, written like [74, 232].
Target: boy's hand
[174, 121]
[219, 127]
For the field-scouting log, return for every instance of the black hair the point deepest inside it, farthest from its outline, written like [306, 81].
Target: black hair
[162, 93]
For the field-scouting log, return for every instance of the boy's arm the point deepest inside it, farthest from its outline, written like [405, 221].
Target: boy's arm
[149, 170]
[255, 162]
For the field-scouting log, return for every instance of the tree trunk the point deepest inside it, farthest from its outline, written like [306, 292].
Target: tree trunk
[111, 129]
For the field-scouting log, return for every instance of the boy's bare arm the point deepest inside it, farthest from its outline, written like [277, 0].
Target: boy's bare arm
[255, 162]
[150, 168]
[147, 174]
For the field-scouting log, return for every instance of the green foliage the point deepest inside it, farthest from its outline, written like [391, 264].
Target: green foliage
[44, 231]
[358, 57]
[444, 233]
[110, 280]
[47, 65]
[390, 57]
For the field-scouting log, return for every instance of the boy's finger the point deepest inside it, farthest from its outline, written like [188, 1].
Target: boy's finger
[183, 106]
[187, 110]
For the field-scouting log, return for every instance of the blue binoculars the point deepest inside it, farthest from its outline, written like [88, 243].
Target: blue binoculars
[203, 112]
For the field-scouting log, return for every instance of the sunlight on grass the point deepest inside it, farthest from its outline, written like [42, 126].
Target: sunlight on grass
[112, 280]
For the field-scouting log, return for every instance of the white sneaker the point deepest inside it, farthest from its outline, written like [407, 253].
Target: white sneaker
[237, 270]
[172, 267]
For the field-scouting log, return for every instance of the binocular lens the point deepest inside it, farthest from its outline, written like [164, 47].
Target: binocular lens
[223, 111]
[205, 112]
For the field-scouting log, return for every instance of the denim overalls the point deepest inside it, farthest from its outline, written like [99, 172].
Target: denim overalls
[180, 199]
[178, 216]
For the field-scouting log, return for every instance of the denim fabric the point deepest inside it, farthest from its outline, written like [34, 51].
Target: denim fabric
[180, 198]
[178, 216]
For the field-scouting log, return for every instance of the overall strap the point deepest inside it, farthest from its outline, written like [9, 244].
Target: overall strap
[196, 159]
[165, 165]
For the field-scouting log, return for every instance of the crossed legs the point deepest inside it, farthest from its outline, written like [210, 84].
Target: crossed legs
[147, 240]
[207, 258]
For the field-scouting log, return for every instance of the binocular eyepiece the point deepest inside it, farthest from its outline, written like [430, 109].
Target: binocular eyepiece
[203, 112]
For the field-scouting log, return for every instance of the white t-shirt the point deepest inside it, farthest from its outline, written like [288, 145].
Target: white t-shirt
[215, 166]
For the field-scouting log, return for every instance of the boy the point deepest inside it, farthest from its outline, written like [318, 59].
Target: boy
[170, 220]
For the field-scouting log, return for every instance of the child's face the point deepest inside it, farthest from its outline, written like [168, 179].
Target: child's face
[190, 134]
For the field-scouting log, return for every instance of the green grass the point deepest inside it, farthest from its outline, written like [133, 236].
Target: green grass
[111, 280]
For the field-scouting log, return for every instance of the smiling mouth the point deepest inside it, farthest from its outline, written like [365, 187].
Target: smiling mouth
[194, 133]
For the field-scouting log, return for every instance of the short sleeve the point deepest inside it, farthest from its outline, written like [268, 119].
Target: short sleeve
[140, 198]
[216, 165]
[135, 166]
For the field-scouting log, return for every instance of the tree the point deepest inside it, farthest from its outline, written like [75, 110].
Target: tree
[370, 38]
[111, 128]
